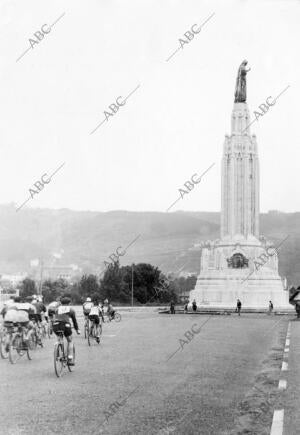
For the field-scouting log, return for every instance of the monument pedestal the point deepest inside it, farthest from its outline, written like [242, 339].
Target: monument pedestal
[234, 270]
[220, 290]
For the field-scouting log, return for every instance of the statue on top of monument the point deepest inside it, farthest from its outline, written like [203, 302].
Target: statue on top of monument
[240, 95]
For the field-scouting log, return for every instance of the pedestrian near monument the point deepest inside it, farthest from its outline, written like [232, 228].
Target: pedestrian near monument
[194, 304]
[270, 307]
[172, 307]
[185, 308]
[238, 307]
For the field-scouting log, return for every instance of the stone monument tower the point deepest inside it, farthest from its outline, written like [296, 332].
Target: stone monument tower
[240, 264]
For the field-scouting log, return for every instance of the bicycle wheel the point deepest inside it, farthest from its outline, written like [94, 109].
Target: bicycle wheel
[15, 348]
[117, 317]
[28, 351]
[40, 336]
[50, 329]
[72, 367]
[90, 334]
[58, 359]
[43, 331]
[30, 344]
[4, 345]
[86, 329]
[33, 341]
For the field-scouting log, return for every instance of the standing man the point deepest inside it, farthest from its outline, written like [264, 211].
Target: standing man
[238, 307]
[270, 307]
[185, 307]
[172, 307]
[194, 305]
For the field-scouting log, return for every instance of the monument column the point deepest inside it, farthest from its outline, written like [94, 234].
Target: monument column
[227, 269]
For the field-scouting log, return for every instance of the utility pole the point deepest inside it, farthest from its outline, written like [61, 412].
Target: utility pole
[132, 285]
[41, 278]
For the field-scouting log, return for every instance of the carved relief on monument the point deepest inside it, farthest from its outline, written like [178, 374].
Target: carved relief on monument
[237, 261]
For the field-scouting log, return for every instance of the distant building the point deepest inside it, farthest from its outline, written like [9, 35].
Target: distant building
[55, 271]
[274, 212]
[8, 286]
[10, 282]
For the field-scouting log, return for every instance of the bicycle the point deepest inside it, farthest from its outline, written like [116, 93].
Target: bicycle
[116, 317]
[60, 355]
[5, 338]
[50, 327]
[91, 333]
[38, 332]
[21, 342]
[44, 328]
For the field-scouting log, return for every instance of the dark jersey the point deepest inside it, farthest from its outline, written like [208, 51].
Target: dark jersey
[65, 313]
[40, 307]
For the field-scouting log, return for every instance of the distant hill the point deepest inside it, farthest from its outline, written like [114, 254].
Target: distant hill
[166, 239]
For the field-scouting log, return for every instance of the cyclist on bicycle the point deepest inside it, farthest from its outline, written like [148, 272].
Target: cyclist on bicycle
[7, 304]
[94, 315]
[62, 323]
[52, 308]
[110, 311]
[87, 305]
[20, 313]
[40, 308]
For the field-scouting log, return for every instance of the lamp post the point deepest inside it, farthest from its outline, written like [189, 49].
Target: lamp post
[132, 285]
[41, 277]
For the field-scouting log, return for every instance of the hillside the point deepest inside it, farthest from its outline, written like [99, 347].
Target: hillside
[166, 239]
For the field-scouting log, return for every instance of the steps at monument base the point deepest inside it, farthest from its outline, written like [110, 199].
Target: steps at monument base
[229, 311]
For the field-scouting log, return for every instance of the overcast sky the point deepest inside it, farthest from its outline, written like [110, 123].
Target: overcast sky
[171, 127]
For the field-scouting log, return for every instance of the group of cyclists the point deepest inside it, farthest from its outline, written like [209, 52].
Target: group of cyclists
[27, 312]
[31, 311]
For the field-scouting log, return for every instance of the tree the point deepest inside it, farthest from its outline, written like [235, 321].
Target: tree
[75, 293]
[150, 285]
[27, 287]
[51, 290]
[89, 286]
[113, 286]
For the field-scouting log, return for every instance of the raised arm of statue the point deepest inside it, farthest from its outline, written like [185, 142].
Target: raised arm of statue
[240, 95]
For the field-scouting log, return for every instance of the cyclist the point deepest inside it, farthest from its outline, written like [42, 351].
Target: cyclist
[94, 315]
[52, 308]
[87, 305]
[40, 308]
[103, 305]
[62, 323]
[110, 311]
[7, 304]
[19, 312]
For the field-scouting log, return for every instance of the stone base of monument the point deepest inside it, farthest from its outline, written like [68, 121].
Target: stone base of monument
[239, 268]
[220, 290]
[223, 311]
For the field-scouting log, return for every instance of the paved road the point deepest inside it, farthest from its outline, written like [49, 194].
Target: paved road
[208, 386]
[290, 398]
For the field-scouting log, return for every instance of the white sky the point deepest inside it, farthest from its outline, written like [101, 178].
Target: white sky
[172, 127]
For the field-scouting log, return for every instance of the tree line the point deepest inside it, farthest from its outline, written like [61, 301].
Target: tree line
[115, 285]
